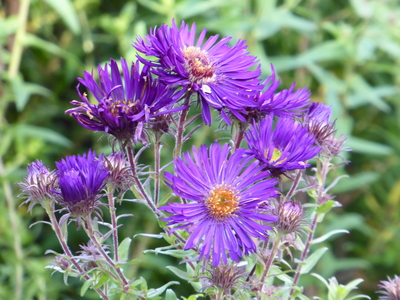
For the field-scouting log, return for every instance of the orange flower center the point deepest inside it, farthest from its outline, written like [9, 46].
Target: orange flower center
[222, 202]
[198, 65]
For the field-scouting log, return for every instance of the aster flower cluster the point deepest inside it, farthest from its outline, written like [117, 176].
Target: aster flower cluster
[232, 208]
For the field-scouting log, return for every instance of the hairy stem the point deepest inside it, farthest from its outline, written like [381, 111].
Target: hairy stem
[271, 257]
[239, 135]
[157, 153]
[113, 215]
[56, 227]
[138, 183]
[295, 184]
[181, 126]
[321, 182]
[88, 226]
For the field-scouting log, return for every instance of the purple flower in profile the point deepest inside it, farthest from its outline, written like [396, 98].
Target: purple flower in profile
[217, 72]
[38, 184]
[81, 179]
[286, 103]
[317, 120]
[225, 199]
[286, 147]
[124, 106]
[390, 288]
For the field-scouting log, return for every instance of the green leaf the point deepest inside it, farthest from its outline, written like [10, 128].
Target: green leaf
[156, 292]
[328, 235]
[181, 274]
[174, 253]
[8, 26]
[170, 295]
[368, 147]
[24, 90]
[355, 182]
[325, 207]
[67, 12]
[123, 249]
[103, 279]
[85, 286]
[130, 262]
[42, 133]
[312, 260]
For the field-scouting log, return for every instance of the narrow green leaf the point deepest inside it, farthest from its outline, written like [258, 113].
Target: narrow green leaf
[103, 279]
[325, 207]
[328, 235]
[123, 249]
[368, 147]
[85, 286]
[181, 274]
[157, 292]
[42, 133]
[312, 260]
[170, 295]
[67, 12]
[24, 90]
[8, 26]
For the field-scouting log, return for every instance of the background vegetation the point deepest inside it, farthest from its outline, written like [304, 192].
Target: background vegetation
[347, 52]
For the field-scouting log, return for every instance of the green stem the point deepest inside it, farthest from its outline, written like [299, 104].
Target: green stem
[18, 45]
[16, 233]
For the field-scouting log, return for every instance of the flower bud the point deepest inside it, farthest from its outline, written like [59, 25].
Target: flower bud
[291, 217]
[38, 184]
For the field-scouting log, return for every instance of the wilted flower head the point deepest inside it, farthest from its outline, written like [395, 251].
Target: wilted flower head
[286, 147]
[287, 103]
[120, 174]
[81, 178]
[217, 72]
[317, 120]
[125, 106]
[38, 184]
[391, 289]
[224, 199]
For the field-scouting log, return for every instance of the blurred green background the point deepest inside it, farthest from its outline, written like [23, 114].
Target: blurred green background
[347, 52]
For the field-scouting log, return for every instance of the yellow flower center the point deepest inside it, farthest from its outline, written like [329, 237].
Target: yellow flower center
[198, 65]
[222, 202]
[276, 155]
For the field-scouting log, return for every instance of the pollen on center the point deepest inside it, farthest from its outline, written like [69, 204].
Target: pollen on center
[198, 65]
[222, 202]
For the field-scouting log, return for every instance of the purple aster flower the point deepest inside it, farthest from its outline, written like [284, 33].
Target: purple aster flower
[286, 147]
[317, 120]
[81, 179]
[125, 106]
[225, 199]
[284, 103]
[38, 184]
[217, 72]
